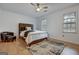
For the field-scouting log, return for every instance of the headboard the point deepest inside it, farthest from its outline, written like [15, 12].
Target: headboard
[23, 26]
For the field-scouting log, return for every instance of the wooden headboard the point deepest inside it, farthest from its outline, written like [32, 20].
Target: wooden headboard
[23, 26]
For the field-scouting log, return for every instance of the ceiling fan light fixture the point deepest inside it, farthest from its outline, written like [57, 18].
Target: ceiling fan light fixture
[40, 7]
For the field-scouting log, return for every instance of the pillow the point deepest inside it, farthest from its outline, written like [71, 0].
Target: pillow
[29, 28]
[22, 33]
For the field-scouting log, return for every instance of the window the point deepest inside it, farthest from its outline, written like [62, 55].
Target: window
[70, 22]
[44, 25]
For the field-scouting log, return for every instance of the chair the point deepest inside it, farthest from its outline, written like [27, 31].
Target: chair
[7, 36]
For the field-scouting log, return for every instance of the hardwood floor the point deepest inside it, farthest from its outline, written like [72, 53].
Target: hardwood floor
[18, 47]
[70, 49]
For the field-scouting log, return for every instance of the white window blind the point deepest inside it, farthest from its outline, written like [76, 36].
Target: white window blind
[44, 25]
[70, 22]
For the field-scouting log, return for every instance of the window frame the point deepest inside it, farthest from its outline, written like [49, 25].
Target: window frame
[76, 24]
[44, 26]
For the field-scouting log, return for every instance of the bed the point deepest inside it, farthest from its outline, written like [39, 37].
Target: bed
[30, 35]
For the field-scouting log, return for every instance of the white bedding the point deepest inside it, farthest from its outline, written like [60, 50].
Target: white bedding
[32, 36]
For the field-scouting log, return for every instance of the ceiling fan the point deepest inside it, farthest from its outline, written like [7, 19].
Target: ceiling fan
[40, 7]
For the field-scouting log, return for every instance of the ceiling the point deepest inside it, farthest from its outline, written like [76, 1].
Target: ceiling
[28, 10]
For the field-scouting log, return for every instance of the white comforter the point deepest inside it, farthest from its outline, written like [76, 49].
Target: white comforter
[32, 36]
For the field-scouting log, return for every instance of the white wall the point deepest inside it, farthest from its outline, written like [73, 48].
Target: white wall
[55, 24]
[9, 21]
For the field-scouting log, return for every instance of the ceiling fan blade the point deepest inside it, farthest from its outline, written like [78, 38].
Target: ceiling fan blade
[45, 7]
[31, 3]
[37, 4]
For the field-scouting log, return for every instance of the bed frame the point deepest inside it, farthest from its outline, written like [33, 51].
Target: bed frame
[23, 26]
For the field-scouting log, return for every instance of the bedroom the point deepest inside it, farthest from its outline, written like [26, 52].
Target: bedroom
[16, 18]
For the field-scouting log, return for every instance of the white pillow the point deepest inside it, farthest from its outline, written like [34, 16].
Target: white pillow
[29, 28]
[22, 33]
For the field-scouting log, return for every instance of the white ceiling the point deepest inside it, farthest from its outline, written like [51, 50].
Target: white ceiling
[27, 8]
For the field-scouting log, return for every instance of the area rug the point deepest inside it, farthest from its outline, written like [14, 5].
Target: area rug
[47, 48]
